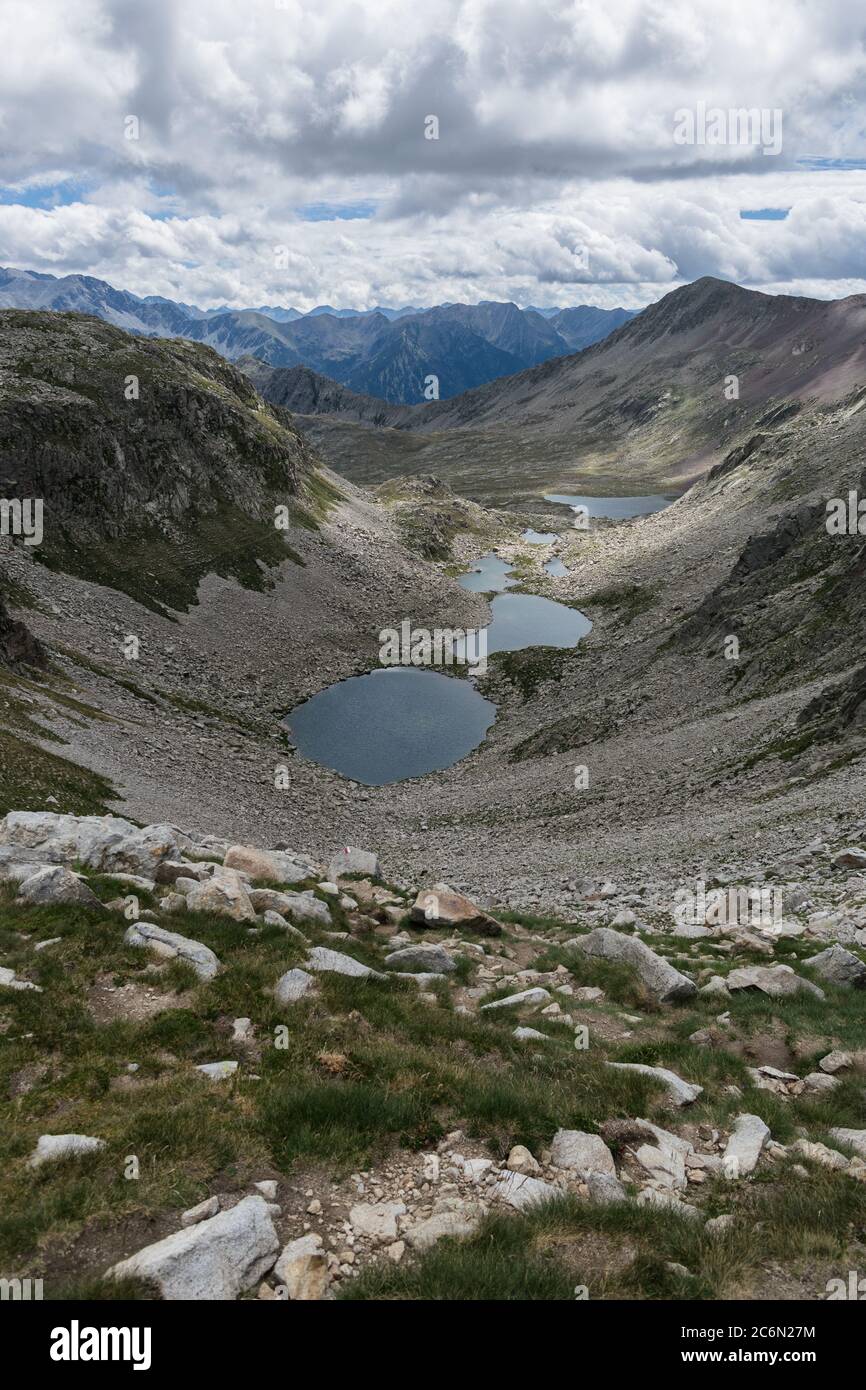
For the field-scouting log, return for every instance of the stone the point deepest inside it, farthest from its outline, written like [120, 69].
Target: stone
[624, 918]
[303, 1269]
[850, 858]
[225, 895]
[520, 1160]
[521, 1190]
[589, 994]
[306, 907]
[819, 1153]
[242, 1030]
[445, 1223]
[50, 1147]
[57, 884]
[665, 1166]
[10, 980]
[350, 860]
[443, 906]
[717, 1225]
[530, 1035]
[854, 1138]
[217, 1071]
[275, 866]
[209, 1207]
[820, 1081]
[836, 1061]
[605, 1188]
[215, 1260]
[525, 998]
[715, 985]
[744, 1146]
[170, 870]
[323, 959]
[681, 1092]
[268, 1188]
[294, 985]
[378, 1220]
[670, 1201]
[666, 1140]
[659, 976]
[276, 919]
[580, 1152]
[200, 957]
[778, 981]
[835, 965]
[475, 1169]
[431, 958]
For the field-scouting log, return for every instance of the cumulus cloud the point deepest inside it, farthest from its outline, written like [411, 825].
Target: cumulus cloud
[556, 176]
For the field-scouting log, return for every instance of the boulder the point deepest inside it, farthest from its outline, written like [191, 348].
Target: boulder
[659, 976]
[57, 884]
[520, 1160]
[778, 981]
[171, 944]
[276, 866]
[441, 906]
[854, 1138]
[581, 1153]
[350, 860]
[215, 1260]
[433, 959]
[50, 1147]
[836, 1061]
[681, 1092]
[839, 967]
[323, 959]
[530, 1035]
[669, 1201]
[444, 1223]
[377, 1220]
[744, 1146]
[170, 870]
[9, 980]
[819, 1153]
[225, 894]
[520, 1190]
[294, 985]
[217, 1071]
[303, 1269]
[666, 1167]
[605, 1188]
[850, 858]
[209, 1207]
[276, 919]
[305, 906]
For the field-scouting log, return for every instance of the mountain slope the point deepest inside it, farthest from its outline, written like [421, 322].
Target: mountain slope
[647, 409]
[146, 493]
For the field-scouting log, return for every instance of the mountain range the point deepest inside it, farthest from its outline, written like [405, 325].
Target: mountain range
[650, 408]
[389, 353]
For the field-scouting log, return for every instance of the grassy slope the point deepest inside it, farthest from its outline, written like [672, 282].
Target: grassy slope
[409, 1073]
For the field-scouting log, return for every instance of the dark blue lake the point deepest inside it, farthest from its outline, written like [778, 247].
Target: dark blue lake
[405, 721]
[618, 508]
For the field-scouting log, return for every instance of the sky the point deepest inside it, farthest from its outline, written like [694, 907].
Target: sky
[280, 151]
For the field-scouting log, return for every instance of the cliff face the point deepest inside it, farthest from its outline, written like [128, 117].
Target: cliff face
[147, 455]
[18, 646]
